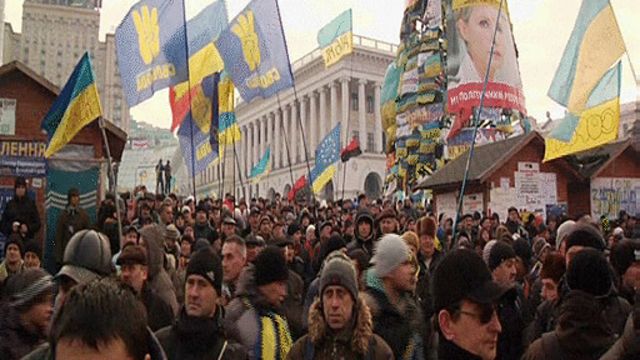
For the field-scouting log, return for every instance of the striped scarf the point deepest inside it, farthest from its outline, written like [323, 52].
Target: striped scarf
[274, 341]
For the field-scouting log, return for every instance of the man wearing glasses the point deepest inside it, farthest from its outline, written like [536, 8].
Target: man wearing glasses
[464, 297]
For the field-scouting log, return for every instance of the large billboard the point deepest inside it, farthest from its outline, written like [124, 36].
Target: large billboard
[470, 31]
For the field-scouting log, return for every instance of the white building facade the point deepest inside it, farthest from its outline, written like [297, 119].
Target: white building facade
[347, 93]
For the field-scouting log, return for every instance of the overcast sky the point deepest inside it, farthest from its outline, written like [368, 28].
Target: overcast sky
[541, 30]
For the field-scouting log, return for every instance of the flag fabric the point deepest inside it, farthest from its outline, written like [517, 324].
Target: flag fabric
[254, 51]
[199, 120]
[262, 168]
[351, 150]
[204, 58]
[327, 154]
[151, 48]
[77, 105]
[336, 38]
[597, 125]
[228, 128]
[594, 47]
[297, 186]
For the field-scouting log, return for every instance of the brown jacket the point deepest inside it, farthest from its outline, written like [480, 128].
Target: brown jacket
[359, 343]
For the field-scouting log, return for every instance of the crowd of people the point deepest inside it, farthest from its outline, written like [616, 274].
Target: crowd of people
[350, 279]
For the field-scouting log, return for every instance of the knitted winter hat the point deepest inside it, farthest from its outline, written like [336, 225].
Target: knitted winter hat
[208, 265]
[270, 266]
[563, 230]
[390, 252]
[23, 289]
[585, 235]
[339, 270]
[426, 226]
[487, 250]
[34, 247]
[589, 272]
[500, 252]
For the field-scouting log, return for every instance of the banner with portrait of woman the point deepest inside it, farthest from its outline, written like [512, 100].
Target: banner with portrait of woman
[470, 28]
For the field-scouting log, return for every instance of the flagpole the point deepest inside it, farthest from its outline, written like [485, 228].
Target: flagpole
[283, 131]
[295, 94]
[112, 179]
[244, 192]
[475, 130]
[193, 150]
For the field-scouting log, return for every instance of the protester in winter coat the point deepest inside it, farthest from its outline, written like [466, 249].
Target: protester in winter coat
[21, 209]
[255, 318]
[198, 332]
[466, 318]
[625, 259]
[72, 219]
[25, 312]
[582, 332]
[152, 238]
[101, 319]
[135, 272]
[364, 233]
[340, 325]
[12, 263]
[389, 284]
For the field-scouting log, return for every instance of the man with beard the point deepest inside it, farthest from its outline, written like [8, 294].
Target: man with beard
[198, 331]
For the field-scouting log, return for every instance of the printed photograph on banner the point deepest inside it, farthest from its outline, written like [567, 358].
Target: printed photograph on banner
[470, 29]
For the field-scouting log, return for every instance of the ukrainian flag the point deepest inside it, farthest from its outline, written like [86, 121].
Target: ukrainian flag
[587, 83]
[594, 47]
[77, 105]
[228, 129]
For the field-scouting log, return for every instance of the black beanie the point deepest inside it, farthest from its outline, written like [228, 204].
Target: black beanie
[589, 271]
[624, 255]
[16, 240]
[500, 252]
[585, 235]
[270, 266]
[208, 265]
[33, 246]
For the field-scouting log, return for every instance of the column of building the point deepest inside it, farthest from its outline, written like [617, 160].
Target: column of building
[346, 128]
[362, 113]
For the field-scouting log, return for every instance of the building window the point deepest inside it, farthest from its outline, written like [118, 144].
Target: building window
[354, 102]
[370, 142]
[355, 134]
[370, 104]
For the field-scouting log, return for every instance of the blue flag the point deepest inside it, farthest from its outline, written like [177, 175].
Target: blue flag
[151, 48]
[254, 51]
[327, 154]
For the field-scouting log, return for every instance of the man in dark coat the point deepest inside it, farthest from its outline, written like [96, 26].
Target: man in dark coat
[73, 219]
[364, 233]
[198, 332]
[21, 209]
[134, 271]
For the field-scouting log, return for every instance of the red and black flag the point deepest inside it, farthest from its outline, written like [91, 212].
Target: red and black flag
[351, 150]
[299, 185]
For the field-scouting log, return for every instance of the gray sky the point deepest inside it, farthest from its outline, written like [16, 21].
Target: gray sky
[541, 30]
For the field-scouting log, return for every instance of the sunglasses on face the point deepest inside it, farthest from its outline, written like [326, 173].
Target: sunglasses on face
[485, 315]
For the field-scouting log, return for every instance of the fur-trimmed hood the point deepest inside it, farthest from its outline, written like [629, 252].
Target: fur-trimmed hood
[360, 334]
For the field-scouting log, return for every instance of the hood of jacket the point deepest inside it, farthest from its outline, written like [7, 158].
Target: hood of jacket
[364, 215]
[248, 288]
[154, 241]
[582, 327]
[360, 333]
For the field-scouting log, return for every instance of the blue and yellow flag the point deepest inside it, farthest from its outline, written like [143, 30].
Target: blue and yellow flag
[262, 168]
[151, 48]
[336, 38]
[595, 126]
[594, 47]
[77, 105]
[254, 51]
[327, 155]
[228, 129]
